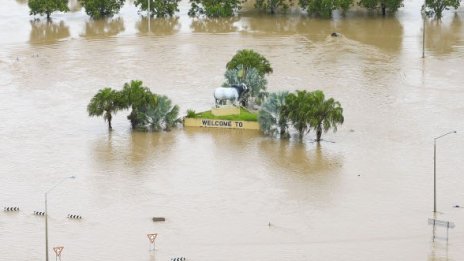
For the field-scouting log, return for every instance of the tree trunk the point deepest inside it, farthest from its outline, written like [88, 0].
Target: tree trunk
[383, 9]
[132, 117]
[318, 133]
[109, 122]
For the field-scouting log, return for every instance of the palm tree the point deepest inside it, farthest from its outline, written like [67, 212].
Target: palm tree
[297, 109]
[162, 115]
[325, 114]
[138, 98]
[106, 102]
[271, 119]
[253, 80]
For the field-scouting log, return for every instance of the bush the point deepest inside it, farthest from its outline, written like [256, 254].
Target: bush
[191, 113]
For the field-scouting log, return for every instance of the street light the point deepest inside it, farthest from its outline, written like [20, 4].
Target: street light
[435, 169]
[423, 30]
[149, 14]
[46, 214]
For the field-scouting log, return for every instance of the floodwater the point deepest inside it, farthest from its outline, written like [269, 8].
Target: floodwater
[365, 193]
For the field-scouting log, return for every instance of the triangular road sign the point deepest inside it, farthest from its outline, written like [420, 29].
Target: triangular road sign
[58, 250]
[152, 237]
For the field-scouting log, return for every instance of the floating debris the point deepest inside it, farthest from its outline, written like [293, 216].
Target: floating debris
[158, 219]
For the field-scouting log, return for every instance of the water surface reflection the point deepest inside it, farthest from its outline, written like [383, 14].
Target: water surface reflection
[103, 28]
[444, 37]
[215, 25]
[158, 26]
[385, 34]
[137, 149]
[47, 32]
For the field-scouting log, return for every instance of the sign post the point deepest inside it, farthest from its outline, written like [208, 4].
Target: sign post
[58, 251]
[440, 223]
[152, 238]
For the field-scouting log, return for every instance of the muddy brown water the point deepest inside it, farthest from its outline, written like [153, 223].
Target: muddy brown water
[365, 193]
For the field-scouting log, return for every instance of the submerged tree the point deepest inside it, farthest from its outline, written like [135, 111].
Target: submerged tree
[101, 8]
[271, 119]
[138, 98]
[384, 5]
[322, 8]
[344, 4]
[324, 114]
[214, 8]
[106, 102]
[272, 6]
[159, 8]
[255, 82]
[250, 59]
[148, 110]
[436, 7]
[297, 110]
[47, 7]
[162, 115]
[310, 110]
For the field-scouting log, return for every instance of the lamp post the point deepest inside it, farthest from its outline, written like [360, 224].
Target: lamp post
[435, 169]
[46, 214]
[149, 14]
[423, 30]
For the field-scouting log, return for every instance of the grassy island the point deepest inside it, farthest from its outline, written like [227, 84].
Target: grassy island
[244, 115]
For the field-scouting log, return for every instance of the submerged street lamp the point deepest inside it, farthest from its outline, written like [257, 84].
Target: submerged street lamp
[46, 214]
[435, 169]
[149, 14]
[424, 16]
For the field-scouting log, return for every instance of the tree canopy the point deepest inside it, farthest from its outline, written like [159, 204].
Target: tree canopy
[250, 59]
[324, 114]
[159, 8]
[301, 110]
[436, 7]
[163, 115]
[101, 8]
[255, 82]
[384, 5]
[271, 119]
[272, 6]
[47, 7]
[138, 98]
[214, 8]
[322, 8]
[149, 111]
[106, 102]
[297, 110]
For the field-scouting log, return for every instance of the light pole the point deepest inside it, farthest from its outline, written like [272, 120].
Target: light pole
[435, 169]
[423, 30]
[46, 214]
[149, 14]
